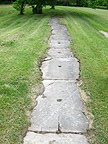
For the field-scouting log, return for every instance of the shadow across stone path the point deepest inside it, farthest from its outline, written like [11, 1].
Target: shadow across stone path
[58, 117]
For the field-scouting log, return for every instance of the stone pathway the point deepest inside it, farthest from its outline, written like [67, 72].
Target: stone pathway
[105, 33]
[58, 117]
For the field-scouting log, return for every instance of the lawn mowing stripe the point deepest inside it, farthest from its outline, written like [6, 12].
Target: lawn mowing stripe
[16, 29]
[4, 28]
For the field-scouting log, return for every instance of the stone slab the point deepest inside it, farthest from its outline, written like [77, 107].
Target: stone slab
[59, 37]
[44, 116]
[59, 27]
[57, 32]
[61, 89]
[66, 93]
[60, 53]
[105, 33]
[61, 106]
[59, 43]
[33, 138]
[75, 121]
[60, 68]
[53, 21]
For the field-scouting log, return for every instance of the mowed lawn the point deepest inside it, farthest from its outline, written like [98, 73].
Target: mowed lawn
[24, 39]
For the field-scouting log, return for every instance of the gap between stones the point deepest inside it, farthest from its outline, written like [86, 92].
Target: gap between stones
[58, 132]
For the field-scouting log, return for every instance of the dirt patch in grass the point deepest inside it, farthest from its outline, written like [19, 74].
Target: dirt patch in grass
[86, 99]
[87, 112]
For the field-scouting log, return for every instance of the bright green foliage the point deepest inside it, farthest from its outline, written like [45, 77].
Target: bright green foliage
[103, 3]
[19, 5]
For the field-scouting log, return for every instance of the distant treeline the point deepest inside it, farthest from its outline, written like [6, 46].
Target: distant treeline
[7, 1]
[82, 3]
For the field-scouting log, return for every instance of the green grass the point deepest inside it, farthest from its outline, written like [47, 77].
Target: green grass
[24, 39]
[91, 48]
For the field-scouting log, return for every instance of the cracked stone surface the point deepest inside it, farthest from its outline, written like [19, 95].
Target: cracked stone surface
[59, 108]
[57, 37]
[60, 53]
[60, 68]
[61, 104]
[59, 43]
[44, 118]
[59, 32]
[59, 27]
[33, 138]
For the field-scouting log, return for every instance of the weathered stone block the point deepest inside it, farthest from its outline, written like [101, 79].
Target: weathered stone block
[60, 68]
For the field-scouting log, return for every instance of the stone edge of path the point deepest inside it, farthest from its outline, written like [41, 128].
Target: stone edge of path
[35, 138]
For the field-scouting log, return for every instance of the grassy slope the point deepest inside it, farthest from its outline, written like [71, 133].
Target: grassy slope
[23, 39]
[91, 47]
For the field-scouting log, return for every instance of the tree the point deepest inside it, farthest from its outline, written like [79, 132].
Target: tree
[51, 3]
[19, 5]
[107, 4]
[37, 5]
[78, 2]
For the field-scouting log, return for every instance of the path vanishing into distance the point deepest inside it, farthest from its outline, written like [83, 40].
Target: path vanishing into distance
[58, 117]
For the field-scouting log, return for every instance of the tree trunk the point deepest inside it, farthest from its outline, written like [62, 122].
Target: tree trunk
[52, 5]
[67, 2]
[107, 4]
[39, 9]
[78, 2]
[22, 8]
[34, 10]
